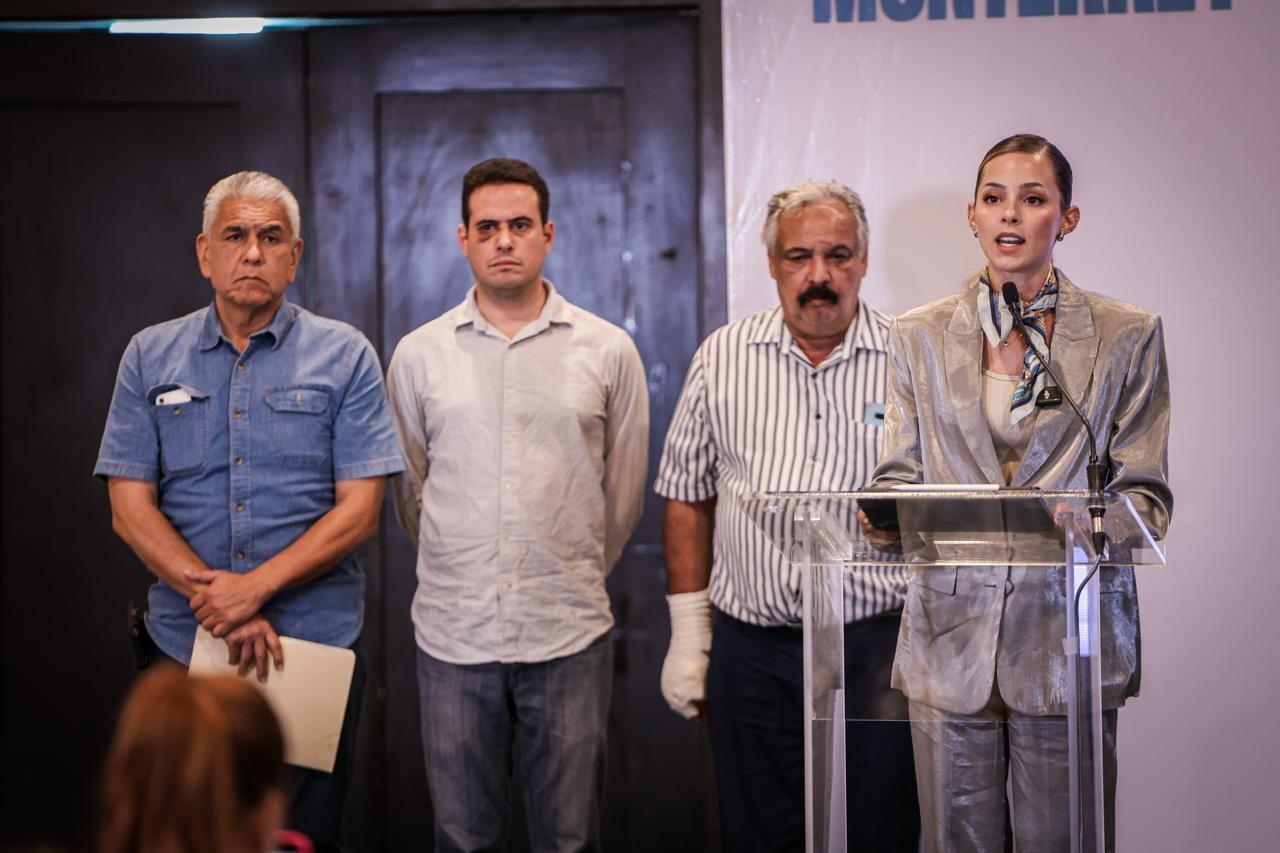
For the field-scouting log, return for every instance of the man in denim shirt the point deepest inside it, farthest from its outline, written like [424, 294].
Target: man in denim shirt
[246, 453]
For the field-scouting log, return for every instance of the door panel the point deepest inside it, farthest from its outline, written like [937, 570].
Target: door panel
[107, 145]
[426, 142]
[102, 177]
[603, 106]
[68, 312]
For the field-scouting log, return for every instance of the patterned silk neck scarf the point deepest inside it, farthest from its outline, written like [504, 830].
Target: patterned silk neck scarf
[997, 324]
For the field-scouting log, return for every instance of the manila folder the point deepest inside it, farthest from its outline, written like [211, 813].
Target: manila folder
[309, 695]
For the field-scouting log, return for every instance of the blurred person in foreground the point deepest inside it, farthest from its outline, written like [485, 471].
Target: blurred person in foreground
[980, 654]
[196, 766]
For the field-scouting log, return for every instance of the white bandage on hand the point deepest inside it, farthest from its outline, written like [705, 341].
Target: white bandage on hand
[684, 672]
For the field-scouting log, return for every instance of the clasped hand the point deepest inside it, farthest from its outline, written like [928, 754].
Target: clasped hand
[252, 645]
[226, 604]
[224, 600]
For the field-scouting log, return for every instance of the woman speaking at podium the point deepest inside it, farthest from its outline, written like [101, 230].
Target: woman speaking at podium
[980, 653]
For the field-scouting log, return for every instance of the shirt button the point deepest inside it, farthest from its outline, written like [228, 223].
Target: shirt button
[240, 367]
[178, 411]
[510, 439]
[813, 375]
[239, 555]
[239, 507]
[507, 585]
[506, 537]
[239, 460]
[818, 416]
[237, 414]
[506, 487]
[510, 391]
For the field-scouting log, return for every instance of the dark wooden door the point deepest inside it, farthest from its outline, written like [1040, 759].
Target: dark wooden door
[604, 106]
[107, 147]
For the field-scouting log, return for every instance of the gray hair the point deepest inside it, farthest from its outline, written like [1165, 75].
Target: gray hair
[810, 192]
[258, 186]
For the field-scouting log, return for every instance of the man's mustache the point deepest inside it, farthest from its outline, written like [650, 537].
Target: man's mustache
[817, 291]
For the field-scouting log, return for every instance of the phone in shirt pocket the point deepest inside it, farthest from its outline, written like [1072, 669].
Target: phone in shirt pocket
[182, 424]
[299, 428]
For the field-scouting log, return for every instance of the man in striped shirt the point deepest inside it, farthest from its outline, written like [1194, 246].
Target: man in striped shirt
[787, 399]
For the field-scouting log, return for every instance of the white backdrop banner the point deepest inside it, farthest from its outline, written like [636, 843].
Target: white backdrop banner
[1169, 111]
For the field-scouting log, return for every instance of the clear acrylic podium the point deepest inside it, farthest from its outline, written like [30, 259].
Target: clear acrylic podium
[949, 527]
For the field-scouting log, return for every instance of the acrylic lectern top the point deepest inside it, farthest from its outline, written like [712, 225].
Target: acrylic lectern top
[948, 525]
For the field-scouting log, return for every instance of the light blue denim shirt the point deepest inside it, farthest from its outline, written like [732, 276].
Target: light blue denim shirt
[249, 462]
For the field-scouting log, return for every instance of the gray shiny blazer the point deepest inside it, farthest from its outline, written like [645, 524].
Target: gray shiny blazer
[960, 628]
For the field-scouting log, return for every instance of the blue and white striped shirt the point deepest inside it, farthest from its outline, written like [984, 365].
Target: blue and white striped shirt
[755, 415]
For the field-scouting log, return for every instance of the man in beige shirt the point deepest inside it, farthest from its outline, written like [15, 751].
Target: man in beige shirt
[524, 421]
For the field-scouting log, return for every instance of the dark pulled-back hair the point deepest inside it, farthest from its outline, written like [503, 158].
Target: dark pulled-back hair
[503, 170]
[191, 760]
[1030, 143]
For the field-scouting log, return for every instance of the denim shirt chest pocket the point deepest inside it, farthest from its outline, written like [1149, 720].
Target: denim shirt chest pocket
[299, 430]
[183, 429]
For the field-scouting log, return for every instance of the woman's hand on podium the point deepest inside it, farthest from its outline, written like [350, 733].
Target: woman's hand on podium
[883, 540]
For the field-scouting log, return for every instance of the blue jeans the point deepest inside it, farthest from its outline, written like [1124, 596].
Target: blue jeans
[479, 720]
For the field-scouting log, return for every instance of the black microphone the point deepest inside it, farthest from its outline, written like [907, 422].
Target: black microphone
[1095, 471]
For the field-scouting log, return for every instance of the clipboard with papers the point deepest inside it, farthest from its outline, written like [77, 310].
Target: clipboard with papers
[309, 695]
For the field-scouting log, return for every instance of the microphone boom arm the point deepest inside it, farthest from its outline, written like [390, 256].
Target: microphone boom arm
[1095, 470]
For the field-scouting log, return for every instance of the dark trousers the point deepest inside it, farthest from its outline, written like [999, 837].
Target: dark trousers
[316, 798]
[755, 715]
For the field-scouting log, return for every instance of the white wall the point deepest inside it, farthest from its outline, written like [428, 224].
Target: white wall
[1171, 122]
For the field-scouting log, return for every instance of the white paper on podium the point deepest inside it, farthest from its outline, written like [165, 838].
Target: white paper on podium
[309, 695]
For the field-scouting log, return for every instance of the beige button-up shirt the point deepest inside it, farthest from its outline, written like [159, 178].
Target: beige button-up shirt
[526, 466]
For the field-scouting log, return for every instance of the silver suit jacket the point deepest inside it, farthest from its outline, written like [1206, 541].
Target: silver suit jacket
[963, 628]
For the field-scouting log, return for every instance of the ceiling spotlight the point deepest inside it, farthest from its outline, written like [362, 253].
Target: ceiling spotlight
[191, 26]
